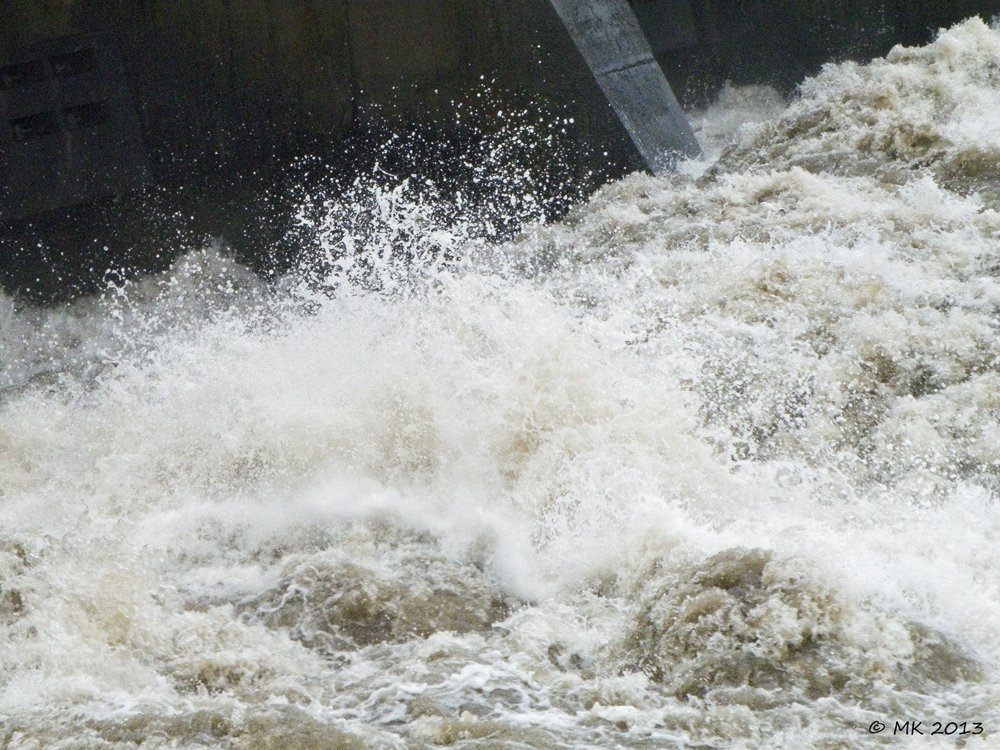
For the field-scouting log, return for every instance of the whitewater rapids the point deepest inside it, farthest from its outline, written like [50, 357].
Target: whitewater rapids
[713, 462]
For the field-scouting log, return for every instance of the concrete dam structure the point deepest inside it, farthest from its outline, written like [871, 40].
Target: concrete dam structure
[196, 110]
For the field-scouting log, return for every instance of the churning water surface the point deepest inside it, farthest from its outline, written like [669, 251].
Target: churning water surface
[713, 462]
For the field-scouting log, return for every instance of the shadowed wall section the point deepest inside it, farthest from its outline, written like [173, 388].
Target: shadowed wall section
[226, 77]
[255, 77]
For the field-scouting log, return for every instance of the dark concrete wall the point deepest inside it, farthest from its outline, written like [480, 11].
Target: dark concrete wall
[229, 92]
[239, 76]
[243, 75]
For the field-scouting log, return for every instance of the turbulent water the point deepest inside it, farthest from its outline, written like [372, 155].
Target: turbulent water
[712, 463]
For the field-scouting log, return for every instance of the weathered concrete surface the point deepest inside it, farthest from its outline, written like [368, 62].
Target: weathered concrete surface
[222, 72]
[213, 75]
[245, 75]
[609, 37]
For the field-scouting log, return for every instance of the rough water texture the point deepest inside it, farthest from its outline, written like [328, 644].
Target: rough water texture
[711, 463]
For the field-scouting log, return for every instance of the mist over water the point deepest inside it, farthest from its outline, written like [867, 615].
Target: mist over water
[713, 462]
